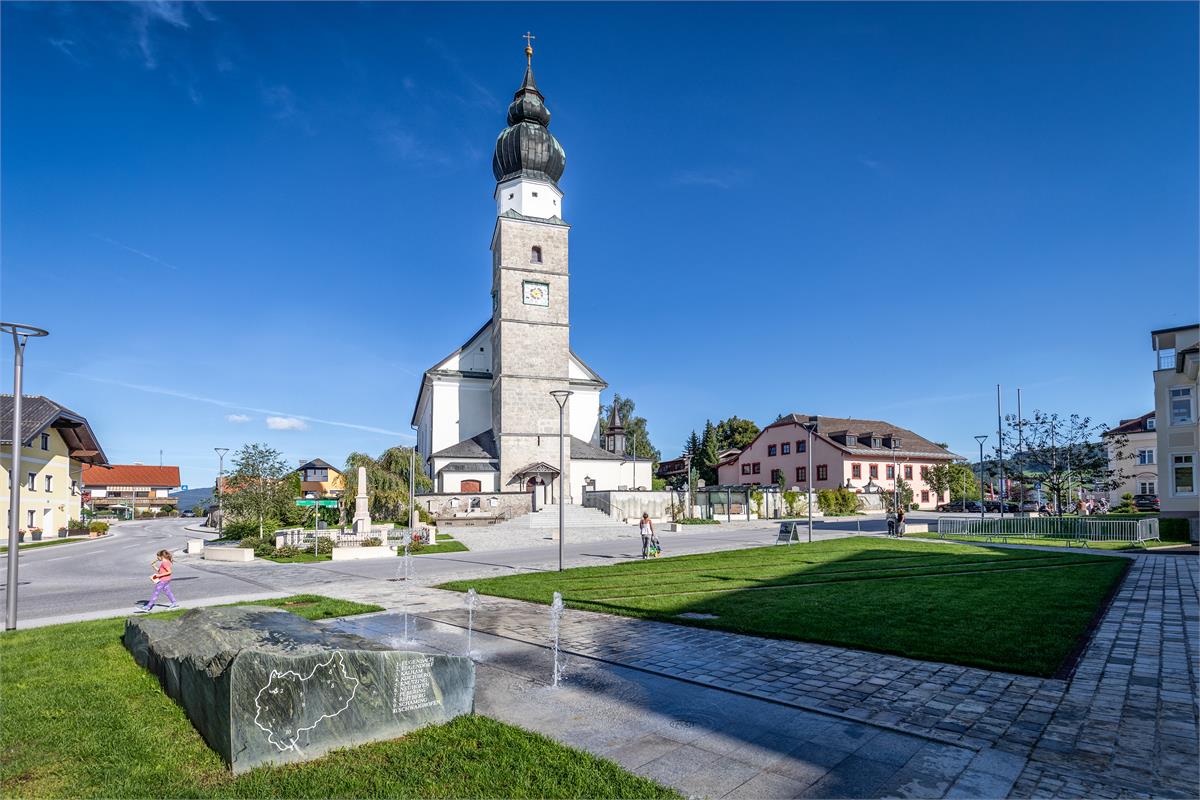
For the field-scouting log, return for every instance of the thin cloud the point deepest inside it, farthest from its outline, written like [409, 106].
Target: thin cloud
[146, 15]
[238, 406]
[237, 418]
[870, 163]
[65, 46]
[137, 252]
[719, 179]
[479, 94]
[281, 101]
[286, 424]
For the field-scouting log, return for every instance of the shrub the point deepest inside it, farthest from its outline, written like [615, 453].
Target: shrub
[98, 527]
[287, 551]
[372, 541]
[1173, 530]
[75, 525]
[756, 497]
[263, 546]
[325, 545]
[839, 502]
[698, 521]
[240, 530]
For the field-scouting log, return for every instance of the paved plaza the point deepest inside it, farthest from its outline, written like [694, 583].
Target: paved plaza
[1124, 724]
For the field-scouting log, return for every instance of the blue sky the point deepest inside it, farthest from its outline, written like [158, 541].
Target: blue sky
[234, 212]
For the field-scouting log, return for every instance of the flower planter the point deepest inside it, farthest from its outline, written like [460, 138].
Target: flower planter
[37, 536]
[62, 533]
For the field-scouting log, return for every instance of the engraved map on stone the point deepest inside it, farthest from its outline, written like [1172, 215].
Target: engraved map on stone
[412, 685]
[283, 709]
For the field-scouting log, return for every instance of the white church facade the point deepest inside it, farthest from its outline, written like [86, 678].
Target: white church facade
[486, 421]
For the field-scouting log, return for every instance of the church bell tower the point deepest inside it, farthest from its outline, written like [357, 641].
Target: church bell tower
[530, 293]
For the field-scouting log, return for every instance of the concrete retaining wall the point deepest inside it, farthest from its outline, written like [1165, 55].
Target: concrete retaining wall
[239, 554]
[357, 553]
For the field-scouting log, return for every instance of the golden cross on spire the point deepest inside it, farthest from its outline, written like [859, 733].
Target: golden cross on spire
[528, 47]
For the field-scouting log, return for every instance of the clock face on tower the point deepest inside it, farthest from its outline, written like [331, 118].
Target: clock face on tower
[536, 293]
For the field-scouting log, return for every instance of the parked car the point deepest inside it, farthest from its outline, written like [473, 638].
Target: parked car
[187, 514]
[957, 505]
[1145, 502]
[993, 507]
[1031, 506]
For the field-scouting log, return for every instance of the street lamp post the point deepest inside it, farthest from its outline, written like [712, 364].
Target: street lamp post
[981, 439]
[20, 334]
[896, 481]
[809, 426]
[221, 451]
[560, 396]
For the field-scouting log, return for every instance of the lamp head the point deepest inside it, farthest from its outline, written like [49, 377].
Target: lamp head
[560, 396]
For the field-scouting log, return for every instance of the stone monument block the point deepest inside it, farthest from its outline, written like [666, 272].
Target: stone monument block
[264, 686]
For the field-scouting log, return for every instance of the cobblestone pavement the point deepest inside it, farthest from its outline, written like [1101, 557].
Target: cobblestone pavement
[1124, 725]
[961, 705]
[1127, 725]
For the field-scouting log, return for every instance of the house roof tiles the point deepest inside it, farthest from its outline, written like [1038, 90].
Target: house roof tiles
[131, 475]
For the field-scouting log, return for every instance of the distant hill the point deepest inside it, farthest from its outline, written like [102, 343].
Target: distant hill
[187, 500]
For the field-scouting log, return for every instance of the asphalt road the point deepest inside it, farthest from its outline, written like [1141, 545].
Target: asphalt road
[110, 576]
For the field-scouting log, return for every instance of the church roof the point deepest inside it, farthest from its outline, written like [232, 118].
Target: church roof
[526, 147]
[471, 466]
[481, 445]
[589, 452]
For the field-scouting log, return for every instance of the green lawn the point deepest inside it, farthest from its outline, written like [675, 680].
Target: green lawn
[44, 543]
[302, 558]
[445, 544]
[1014, 610]
[81, 719]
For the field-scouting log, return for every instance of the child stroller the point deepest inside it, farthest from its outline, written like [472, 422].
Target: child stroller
[655, 548]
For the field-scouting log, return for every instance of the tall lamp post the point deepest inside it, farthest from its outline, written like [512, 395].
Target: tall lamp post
[560, 396]
[981, 439]
[895, 478]
[221, 451]
[808, 474]
[20, 335]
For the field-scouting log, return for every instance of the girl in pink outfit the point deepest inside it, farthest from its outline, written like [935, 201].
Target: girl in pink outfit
[162, 581]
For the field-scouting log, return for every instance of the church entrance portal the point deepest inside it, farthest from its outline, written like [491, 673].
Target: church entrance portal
[540, 491]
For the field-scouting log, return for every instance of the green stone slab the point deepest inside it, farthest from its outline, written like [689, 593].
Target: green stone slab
[264, 686]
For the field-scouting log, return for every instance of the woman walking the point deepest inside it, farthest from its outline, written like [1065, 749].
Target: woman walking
[162, 581]
[646, 528]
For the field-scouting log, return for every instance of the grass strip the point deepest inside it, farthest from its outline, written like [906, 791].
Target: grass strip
[81, 719]
[43, 543]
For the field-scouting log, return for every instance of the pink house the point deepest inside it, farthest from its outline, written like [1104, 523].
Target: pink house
[860, 454]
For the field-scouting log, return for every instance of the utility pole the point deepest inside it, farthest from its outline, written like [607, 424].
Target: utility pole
[1000, 449]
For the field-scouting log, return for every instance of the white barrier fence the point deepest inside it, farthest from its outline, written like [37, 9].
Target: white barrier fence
[1081, 529]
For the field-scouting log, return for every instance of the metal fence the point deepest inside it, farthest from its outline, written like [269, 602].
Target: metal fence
[299, 537]
[1080, 529]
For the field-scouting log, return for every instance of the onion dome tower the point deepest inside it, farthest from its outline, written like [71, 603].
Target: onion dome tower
[528, 160]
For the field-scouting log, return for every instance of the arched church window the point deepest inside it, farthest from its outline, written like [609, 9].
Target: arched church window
[535, 255]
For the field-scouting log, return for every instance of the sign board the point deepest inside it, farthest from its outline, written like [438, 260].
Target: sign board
[787, 533]
[321, 503]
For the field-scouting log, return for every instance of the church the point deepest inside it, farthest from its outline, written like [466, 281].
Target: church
[486, 419]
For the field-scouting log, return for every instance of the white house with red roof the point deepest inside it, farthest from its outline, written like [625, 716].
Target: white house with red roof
[124, 486]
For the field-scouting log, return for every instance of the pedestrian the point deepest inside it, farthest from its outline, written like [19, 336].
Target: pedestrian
[646, 528]
[899, 523]
[162, 581]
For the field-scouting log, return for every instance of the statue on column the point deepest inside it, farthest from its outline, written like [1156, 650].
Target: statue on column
[362, 510]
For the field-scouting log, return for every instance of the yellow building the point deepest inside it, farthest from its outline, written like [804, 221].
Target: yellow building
[57, 442]
[319, 479]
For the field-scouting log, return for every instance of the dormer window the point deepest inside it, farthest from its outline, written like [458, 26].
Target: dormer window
[1150, 424]
[535, 255]
[851, 439]
[875, 442]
